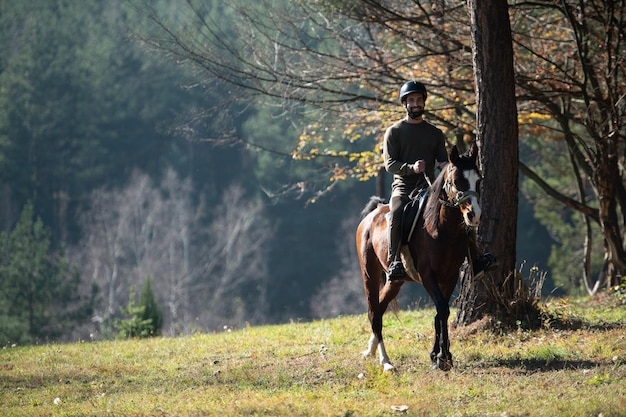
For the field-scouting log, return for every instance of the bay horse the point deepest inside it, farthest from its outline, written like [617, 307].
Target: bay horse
[433, 255]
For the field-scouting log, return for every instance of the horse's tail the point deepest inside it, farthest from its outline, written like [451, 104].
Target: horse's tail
[394, 307]
[371, 205]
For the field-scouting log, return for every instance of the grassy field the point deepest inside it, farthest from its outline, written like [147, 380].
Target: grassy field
[315, 369]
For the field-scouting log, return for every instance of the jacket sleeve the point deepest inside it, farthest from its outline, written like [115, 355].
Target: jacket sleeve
[441, 155]
[391, 153]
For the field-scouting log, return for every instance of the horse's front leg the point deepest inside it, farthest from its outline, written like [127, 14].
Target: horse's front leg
[436, 344]
[440, 355]
[444, 357]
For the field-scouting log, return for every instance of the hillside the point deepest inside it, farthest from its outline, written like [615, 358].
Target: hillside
[315, 369]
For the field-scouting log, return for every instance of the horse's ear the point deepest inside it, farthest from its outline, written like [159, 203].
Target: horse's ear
[454, 155]
[473, 151]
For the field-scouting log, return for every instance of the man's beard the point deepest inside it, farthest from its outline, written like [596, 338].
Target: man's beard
[415, 114]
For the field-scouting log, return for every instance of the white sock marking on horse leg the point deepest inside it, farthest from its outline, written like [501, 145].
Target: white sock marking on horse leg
[384, 359]
[371, 347]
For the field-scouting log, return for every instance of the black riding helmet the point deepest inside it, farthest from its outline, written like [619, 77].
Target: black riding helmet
[412, 87]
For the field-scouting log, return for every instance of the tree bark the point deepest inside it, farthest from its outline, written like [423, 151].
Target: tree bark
[497, 136]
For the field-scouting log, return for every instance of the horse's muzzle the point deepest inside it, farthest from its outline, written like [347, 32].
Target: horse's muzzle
[471, 213]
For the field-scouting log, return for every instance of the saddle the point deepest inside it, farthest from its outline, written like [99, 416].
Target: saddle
[411, 213]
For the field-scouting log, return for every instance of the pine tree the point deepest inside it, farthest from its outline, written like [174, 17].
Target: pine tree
[33, 282]
[141, 320]
[151, 309]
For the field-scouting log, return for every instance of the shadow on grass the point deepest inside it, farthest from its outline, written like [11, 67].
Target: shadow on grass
[575, 323]
[543, 365]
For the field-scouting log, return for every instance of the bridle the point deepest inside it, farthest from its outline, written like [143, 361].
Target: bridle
[459, 197]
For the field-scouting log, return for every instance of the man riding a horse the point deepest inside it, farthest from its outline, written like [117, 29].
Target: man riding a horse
[412, 149]
[442, 238]
[432, 255]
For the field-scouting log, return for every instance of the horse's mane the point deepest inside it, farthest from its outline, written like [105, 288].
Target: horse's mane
[433, 205]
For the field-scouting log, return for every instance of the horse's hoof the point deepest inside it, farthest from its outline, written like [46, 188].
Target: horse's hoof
[387, 367]
[445, 364]
[366, 354]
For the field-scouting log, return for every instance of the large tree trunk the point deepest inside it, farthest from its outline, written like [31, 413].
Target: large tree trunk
[606, 177]
[497, 135]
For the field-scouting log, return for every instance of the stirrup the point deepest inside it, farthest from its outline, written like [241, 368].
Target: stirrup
[396, 271]
[485, 263]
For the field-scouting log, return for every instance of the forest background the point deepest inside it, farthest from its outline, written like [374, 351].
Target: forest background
[119, 165]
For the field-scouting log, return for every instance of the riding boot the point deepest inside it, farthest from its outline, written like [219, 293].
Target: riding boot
[396, 269]
[481, 264]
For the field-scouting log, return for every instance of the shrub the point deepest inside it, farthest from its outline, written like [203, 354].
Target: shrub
[143, 320]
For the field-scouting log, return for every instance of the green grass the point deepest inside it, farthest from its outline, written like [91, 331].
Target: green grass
[315, 369]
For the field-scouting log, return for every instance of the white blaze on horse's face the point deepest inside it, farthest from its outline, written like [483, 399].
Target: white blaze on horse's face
[472, 178]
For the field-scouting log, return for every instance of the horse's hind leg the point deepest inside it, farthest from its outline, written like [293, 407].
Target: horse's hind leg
[371, 285]
[372, 345]
[388, 293]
